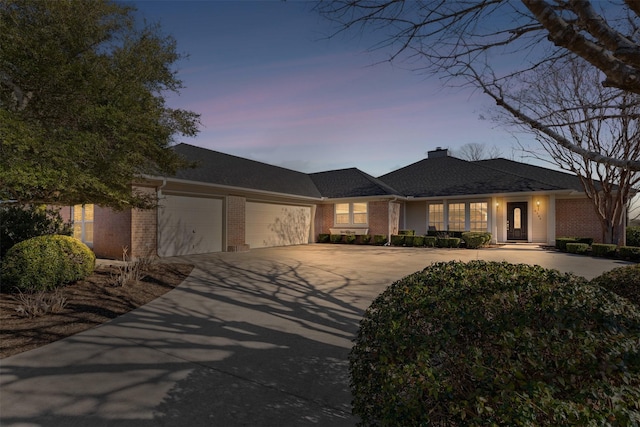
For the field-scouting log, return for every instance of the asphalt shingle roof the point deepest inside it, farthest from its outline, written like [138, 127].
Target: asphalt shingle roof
[350, 182]
[431, 177]
[224, 169]
[449, 176]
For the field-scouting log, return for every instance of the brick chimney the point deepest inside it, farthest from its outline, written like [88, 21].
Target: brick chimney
[438, 152]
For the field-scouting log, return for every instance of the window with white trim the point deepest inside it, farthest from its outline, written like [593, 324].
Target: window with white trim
[436, 216]
[478, 216]
[83, 223]
[352, 214]
[456, 217]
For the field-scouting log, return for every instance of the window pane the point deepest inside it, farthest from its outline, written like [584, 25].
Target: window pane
[359, 213]
[456, 217]
[342, 213]
[88, 232]
[77, 213]
[436, 216]
[88, 212]
[517, 214]
[478, 216]
[77, 230]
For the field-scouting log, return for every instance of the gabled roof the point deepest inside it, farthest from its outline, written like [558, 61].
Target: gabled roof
[449, 176]
[214, 167]
[350, 182]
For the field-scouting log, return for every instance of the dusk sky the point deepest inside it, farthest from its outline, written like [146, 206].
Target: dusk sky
[270, 86]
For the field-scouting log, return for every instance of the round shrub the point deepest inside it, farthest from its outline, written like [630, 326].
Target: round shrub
[476, 239]
[46, 262]
[489, 343]
[624, 281]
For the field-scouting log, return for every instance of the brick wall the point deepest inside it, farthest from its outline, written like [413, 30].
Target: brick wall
[324, 219]
[111, 232]
[379, 218]
[577, 218]
[236, 217]
[144, 229]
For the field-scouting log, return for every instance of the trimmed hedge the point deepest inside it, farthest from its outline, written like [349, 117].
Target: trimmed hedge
[364, 239]
[335, 238]
[489, 343]
[630, 253]
[624, 281]
[561, 243]
[476, 239]
[379, 239]
[46, 262]
[633, 236]
[407, 232]
[448, 242]
[397, 239]
[577, 248]
[604, 250]
[430, 241]
[323, 238]
[350, 238]
[418, 241]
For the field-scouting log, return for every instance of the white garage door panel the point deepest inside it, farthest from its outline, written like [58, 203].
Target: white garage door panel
[189, 225]
[270, 225]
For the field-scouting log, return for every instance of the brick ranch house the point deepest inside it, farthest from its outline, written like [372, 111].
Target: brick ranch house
[229, 203]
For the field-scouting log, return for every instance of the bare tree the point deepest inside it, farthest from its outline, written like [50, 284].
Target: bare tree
[474, 151]
[471, 40]
[567, 98]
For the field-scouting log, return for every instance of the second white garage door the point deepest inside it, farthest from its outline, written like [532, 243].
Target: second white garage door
[270, 225]
[189, 225]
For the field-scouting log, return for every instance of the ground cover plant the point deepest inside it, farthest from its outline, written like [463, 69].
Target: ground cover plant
[488, 343]
[624, 281]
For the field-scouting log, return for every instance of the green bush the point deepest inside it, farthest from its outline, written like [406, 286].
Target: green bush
[397, 239]
[408, 240]
[418, 241]
[489, 343]
[335, 238]
[587, 240]
[430, 241]
[19, 223]
[323, 238]
[630, 253]
[407, 232]
[577, 248]
[561, 243]
[364, 239]
[476, 239]
[604, 250]
[633, 236]
[624, 281]
[448, 242]
[350, 238]
[379, 239]
[46, 262]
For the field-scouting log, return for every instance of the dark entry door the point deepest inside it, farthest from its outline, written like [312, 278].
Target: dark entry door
[517, 221]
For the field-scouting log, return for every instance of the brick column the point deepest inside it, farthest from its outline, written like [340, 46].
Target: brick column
[236, 218]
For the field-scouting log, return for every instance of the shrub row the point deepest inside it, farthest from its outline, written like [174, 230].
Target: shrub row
[487, 343]
[633, 236]
[471, 239]
[45, 262]
[360, 239]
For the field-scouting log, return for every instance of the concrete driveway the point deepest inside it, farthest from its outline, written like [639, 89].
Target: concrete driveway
[249, 339]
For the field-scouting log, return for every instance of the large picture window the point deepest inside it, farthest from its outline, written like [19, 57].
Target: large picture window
[478, 216]
[456, 217]
[436, 216]
[349, 214]
[83, 223]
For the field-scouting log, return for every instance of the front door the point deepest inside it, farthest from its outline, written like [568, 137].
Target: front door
[517, 221]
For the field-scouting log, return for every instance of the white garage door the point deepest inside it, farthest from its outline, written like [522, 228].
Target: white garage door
[276, 225]
[189, 225]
